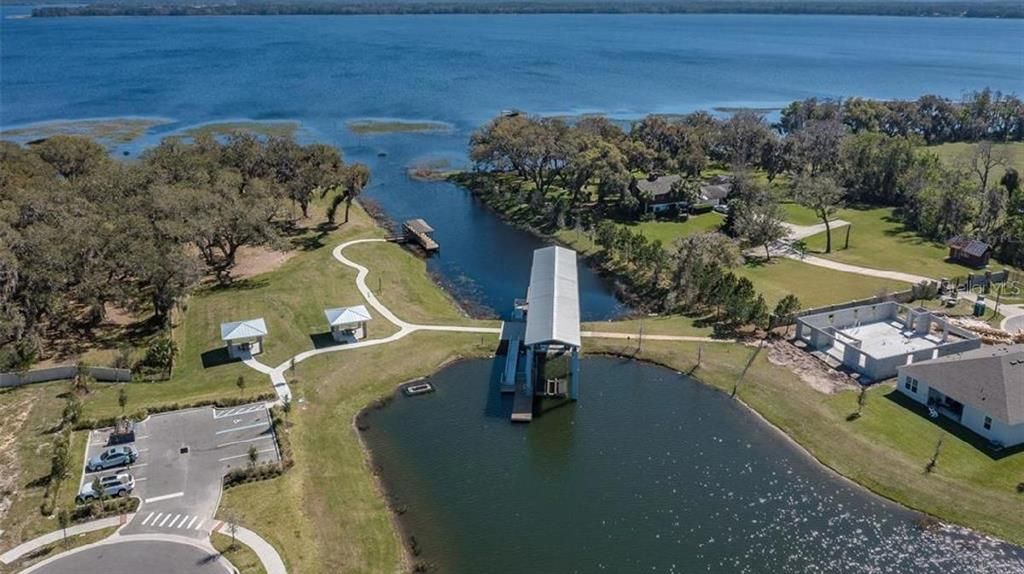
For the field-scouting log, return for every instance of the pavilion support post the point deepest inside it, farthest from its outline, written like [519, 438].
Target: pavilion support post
[574, 375]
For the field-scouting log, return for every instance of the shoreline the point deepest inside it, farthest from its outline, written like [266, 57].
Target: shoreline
[405, 533]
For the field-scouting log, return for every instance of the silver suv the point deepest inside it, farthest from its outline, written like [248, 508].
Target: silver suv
[111, 457]
[114, 485]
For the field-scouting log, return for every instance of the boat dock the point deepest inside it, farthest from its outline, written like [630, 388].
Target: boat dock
[418, 231]
[513, 376]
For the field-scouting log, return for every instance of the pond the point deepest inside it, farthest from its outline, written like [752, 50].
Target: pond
[649, 472]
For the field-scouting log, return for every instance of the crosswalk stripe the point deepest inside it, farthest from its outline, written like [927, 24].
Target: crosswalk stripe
[166, 518]
[198, 526]
[184, 519]
[190, 522]
[158, 515]
[147, 519]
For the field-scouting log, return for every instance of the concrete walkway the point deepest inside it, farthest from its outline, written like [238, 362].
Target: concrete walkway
[36, 543]
[798, 232]
[271, 560]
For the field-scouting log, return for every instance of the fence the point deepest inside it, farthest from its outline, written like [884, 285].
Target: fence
[64, 373]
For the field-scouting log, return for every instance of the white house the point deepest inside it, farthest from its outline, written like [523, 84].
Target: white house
[244, 338]
[348, 323]
[982, 389]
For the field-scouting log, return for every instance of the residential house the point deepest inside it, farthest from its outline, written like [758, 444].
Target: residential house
[982, 389]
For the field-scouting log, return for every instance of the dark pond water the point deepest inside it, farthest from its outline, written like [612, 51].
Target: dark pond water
[649, 472]
[463, 70]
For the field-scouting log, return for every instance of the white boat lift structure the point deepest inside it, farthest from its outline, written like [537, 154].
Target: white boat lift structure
[547, 347]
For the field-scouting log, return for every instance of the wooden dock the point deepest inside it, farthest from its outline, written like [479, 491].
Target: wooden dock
[418, 231]
[522, 404]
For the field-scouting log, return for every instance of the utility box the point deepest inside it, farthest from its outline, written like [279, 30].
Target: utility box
[979, 306]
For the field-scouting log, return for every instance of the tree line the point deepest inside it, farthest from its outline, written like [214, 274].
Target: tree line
[82, 230]
[821, 154]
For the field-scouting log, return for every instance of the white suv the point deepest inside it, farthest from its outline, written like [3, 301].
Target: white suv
[113, 485]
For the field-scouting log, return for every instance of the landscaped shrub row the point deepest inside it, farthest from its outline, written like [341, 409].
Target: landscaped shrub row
[97, 510]
[270, 470]
[89, 424]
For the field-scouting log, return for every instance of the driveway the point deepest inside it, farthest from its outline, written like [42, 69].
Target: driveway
[136, 556]
[183, 457]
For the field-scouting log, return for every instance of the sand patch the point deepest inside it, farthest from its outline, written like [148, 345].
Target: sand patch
[252, 261]
[13, 414]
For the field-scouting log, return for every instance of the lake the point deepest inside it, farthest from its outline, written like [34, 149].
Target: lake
[649, 472]
[325, 71]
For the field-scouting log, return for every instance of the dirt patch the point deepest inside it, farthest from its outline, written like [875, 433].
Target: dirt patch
[252, 261]
[811, 371]
[13, 414]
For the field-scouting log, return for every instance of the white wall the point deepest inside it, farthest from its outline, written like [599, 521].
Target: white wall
[999, 432]
[920, 396]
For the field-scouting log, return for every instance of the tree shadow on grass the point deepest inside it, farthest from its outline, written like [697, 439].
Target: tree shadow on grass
[239, 285]
[954, 428]
[217, 357]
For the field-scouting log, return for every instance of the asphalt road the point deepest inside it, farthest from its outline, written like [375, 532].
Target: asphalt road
[137, 556]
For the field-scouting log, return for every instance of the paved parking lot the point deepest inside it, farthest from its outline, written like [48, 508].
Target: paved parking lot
[183, 457]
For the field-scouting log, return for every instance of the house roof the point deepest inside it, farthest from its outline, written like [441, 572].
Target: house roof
[553, 315]
[659, 186]
[347, 315]
[969, 246]
[717, 191]
[419, 226]
[990, 379]
[243, 329]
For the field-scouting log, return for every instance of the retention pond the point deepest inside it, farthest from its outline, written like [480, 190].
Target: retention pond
[649, 472]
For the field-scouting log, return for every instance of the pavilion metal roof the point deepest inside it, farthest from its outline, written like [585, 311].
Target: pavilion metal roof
[347, 315]
[553, 314]
[249, 329]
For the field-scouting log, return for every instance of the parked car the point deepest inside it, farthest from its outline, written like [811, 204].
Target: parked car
[722, 208]
[113, 485]
[111, 457]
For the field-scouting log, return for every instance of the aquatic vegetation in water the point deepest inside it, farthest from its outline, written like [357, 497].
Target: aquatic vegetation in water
[109, 131]
[259, 128]
[371, 127]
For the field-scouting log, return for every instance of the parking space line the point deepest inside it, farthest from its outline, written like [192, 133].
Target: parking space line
[138, 479]
[226, 458]
[246, 427]
[164, 497]
[246, 440]
[144, 522]
[143, 437]
[161, 525]
[191, 522]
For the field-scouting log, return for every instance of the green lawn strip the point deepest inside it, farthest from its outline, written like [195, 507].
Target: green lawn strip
[799, 215]
[885, 450]
[662, 325]
[814, 286]
[669, 231]
[326, 513]
[402, 283]
[953, 153]
[879, 240]
[55, 548]
[241, 556]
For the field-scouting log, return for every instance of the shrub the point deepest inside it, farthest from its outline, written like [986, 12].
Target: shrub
[160, 354]
[701, 208]
[89, 424]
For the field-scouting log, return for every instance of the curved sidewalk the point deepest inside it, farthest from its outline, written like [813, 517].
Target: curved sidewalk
[26, 547]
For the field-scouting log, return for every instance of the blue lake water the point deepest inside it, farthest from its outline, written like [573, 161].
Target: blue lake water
[325, 71]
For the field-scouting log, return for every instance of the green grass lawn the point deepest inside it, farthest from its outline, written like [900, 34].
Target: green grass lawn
[880, 241]
[326, 514]
[241, 556]
[661, 325]
[953, 153]
[798, 214]
[814, 286]
[669, 231]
